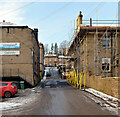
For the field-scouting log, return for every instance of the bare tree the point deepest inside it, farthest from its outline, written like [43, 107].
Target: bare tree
[56, 49]
[63, 47]
[52, 48]
[46, 48]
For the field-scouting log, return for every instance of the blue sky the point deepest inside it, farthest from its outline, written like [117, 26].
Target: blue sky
[55, 20]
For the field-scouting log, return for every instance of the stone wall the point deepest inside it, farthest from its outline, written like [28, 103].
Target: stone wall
[108, 85]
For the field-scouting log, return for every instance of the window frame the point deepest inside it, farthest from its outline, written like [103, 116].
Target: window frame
[106, 41]
[104, 64]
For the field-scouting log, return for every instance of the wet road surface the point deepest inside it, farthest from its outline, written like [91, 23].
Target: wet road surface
[60, 101]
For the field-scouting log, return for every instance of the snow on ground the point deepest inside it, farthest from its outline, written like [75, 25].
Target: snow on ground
[8, 105]
[111, 103]
[104, 96]
[26, 96]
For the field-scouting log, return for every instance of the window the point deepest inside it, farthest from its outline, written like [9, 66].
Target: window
[50, 59]
[8, 30]
[55, 59]
[3, 84]
[96, 58]
[106, 64]
[59, 59]
[117, 62]
[106, 42]
[13, 84]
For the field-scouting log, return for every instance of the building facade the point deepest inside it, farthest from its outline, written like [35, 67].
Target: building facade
[19, 52]
[63, 60]
[95, 50]
[53, 60]
[95, 56]
[41, 59]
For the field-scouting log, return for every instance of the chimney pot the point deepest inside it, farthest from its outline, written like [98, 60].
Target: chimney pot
[90, 22]
[80, 16]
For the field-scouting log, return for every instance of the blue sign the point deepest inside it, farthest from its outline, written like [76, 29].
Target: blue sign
[9, 45]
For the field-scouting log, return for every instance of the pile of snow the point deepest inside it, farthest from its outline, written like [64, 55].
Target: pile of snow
[109, 99]
[9, 105]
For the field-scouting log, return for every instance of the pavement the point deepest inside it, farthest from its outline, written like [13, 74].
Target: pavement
[62, 100]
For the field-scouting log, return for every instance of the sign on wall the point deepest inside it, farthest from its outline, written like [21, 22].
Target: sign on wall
[9, 45]
[9, 52]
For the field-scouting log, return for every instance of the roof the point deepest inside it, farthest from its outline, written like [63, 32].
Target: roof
[9, 24]
[6, 23]
[99, 27]
[65, 57]
[93, 29]
[50, 55]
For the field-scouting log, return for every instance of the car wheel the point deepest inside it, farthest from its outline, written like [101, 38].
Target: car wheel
[7, 94]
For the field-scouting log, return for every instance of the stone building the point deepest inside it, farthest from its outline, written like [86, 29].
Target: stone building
[19, 53]
[63, 60]
[51, 60]
[41, 59]
[95, 51]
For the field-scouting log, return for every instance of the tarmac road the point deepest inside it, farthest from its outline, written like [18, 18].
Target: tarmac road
[61, 101]
[64, 101]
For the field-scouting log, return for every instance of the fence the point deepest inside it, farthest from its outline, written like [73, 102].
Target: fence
[108, 85]
[76, 79]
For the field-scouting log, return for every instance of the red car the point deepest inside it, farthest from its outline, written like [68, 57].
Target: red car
[7, 89]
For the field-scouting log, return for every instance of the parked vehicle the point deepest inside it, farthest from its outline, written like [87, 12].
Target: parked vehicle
[48, 74]
[7, 89]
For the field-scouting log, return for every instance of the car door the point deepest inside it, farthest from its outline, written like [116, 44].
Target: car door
[0, 89]
[3, 88]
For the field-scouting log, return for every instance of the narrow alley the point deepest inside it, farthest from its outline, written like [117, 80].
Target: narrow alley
[62, 99]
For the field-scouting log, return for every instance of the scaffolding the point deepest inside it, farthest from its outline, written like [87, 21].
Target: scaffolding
[81, 49]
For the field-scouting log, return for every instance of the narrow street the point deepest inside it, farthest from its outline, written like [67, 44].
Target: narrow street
[62, 100]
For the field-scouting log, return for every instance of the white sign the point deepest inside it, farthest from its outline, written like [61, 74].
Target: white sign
[9, 52]
[9, 45]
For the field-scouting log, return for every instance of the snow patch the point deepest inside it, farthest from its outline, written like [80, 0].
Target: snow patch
[102, 95]
[8, 105]
[110, 103]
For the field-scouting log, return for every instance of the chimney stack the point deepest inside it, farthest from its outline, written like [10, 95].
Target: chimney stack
[36, 33]
[80, 16]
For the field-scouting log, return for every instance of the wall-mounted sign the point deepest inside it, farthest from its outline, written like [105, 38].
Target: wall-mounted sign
[9, 52]
[9, 45]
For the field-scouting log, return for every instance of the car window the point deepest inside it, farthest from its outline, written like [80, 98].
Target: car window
[13, 84]
[3, 84]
